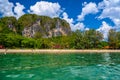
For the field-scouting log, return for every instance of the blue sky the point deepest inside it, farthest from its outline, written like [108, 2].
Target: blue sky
[101, 15]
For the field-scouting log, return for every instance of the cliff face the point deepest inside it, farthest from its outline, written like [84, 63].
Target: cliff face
[46, 27]
[34, 26]
[31, 30]
[8, 24]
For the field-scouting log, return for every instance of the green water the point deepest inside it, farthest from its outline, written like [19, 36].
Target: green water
[60, 66]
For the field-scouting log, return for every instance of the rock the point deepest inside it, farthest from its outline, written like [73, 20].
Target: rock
[47, 27]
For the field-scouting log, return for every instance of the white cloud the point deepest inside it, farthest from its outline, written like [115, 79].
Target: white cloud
[69, 20]
[6, 8]
[74, 27]
[78, 26]
[117, 21]
[87, 29]
[46, 8]
[18, 9]
[110, 9]
[104, 29]
[90, 8]
[85, 3]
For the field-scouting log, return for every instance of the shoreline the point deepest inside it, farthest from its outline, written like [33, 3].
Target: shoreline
[57, 51]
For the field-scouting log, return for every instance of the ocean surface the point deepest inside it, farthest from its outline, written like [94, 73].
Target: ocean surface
[75, 66]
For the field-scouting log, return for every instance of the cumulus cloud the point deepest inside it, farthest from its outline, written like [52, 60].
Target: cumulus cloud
[79, 26]
[18, 10]
[46, 8]
[90, 8]
[9, 9]
[110, 9]
[6, 8]
[69, 20]
[87, 29]
[104, 29]
[76, 26]
[41, 8]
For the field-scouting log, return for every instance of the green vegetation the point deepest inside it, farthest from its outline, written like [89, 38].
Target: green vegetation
[11, 29]
[7, 24]
[114, 39]
[63, 22]
[25, 21]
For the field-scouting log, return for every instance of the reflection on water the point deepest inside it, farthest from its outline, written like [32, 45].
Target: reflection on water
[106, 57]
[60, 66]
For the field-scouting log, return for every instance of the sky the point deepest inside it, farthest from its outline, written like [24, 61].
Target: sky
[101, 15]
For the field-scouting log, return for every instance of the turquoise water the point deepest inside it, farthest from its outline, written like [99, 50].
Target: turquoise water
[89, 66]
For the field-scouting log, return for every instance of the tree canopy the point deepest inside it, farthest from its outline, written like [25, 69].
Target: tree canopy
[11, 28]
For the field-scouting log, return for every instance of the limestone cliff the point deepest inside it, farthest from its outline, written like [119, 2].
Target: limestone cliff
[44, 26]
[8, 24]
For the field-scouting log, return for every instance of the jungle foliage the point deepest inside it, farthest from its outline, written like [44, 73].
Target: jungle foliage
[10, 35]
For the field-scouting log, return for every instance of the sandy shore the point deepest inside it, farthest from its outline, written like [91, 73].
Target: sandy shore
[55, 51]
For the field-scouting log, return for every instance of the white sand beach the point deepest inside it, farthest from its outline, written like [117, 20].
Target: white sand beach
[55, 51]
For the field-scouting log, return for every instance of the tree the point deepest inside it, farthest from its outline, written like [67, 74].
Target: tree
[37, 35]
[8, 24]
[92, 38]
[78, 40]
[26, 21]
[112, 39]
[118, 37]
